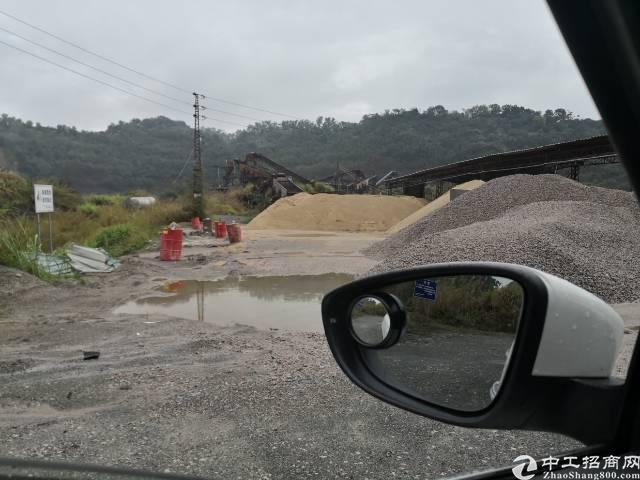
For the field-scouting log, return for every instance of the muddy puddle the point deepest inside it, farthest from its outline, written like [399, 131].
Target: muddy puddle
[281, 302]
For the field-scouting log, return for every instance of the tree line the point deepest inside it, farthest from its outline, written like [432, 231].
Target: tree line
[148, 154]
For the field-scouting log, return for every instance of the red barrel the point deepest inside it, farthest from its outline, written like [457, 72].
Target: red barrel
[234, 232]
[221, 229]
[171, 245]
[195, 223]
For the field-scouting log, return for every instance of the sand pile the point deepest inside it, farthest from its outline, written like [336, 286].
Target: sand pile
[350, 213]
[587, 235]
[432, 206]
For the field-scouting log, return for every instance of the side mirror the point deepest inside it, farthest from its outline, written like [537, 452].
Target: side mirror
[485, 345]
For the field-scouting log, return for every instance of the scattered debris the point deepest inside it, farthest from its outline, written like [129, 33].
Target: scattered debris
[90, 260]
[197, 259]
[54, 264]
[79, 259]
[90, 355]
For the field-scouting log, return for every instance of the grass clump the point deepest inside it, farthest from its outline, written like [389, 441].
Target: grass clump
[120, 239]
[19, 247]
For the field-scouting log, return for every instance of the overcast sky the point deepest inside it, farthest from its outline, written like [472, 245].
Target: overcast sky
[303, 58]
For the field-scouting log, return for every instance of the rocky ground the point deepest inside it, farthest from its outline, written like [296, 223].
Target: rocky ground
[175, 395]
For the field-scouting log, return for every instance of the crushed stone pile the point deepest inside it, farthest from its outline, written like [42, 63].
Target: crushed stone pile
[327, 212]
[587, 235]
[432, 206]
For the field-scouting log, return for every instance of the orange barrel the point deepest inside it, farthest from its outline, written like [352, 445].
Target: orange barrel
[195, 223]
[221, 229]
[234, 232]
[171, 245]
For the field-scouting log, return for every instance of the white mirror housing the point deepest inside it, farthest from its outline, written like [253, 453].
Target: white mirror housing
[582, 335]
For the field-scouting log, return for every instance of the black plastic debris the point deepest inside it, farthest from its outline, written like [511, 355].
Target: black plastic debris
[91, 355]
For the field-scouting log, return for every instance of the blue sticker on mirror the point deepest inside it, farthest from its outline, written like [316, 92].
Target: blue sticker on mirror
[426, 289]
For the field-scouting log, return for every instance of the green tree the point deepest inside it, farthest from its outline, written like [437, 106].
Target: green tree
[149, 153]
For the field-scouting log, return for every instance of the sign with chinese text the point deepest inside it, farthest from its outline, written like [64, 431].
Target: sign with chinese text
[43, 195]
[426, 289]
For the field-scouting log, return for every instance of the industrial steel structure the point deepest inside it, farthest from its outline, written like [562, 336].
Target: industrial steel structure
[552, 158]
[256, 166]
[270, 180]
[356, 181]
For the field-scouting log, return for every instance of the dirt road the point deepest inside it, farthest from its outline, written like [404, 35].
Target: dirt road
[177, 395]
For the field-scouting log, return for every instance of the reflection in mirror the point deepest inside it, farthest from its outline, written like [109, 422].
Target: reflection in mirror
[457, 341]
[370, 321]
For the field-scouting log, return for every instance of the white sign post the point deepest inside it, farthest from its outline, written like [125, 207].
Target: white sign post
[43, 195]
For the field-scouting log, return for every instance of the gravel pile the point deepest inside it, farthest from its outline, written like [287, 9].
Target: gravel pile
[587, 235]
[432, 206]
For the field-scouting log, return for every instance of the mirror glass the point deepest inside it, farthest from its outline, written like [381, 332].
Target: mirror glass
[456, 341]
[370, 321]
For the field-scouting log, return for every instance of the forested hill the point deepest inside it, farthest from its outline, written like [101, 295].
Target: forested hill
[148, 154]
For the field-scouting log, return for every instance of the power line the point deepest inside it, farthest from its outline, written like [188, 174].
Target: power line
[92, 53]
[229, 113]
[150, 100]
[183, 166]
[94, 79]
[94, 68]
[137, 72]
[104, 72]
[250, 108]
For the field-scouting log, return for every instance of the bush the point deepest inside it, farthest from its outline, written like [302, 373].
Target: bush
[321, 187]
[15, 194]
[317, 187]
[100, 200]
[120, 239]
[215, 207]
[88, 209]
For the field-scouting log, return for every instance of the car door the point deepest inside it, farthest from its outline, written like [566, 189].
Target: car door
[604, 39]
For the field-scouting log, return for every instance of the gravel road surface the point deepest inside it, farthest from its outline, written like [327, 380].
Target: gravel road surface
[176, 395]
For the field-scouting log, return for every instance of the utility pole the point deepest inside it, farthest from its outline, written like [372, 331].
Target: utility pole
[198, 177]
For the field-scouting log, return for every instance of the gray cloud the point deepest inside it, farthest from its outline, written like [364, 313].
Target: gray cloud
[330, 58]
